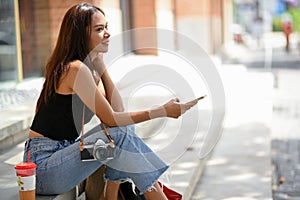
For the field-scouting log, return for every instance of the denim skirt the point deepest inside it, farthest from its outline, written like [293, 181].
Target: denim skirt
[60, 168]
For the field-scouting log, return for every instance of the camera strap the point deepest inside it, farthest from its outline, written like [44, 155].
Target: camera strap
[112, 143]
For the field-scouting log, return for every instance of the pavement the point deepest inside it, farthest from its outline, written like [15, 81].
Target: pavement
[247, 160]
[286, 135]
[258, 158]
[240, 166]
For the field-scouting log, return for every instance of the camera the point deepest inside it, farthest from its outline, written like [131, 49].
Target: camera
[97, 151]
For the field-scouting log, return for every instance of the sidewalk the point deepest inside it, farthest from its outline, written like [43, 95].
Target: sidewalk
[258, 158]
[286, 136]
[240, 166]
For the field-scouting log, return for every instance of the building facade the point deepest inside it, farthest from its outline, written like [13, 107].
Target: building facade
[29, 28]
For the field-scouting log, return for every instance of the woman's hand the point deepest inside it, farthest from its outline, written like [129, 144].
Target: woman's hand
[175, 109]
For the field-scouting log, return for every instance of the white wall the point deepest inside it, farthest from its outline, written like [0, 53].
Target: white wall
[197, 29]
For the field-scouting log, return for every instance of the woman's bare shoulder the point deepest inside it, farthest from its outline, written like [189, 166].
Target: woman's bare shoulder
[76, 70]
[76, 65]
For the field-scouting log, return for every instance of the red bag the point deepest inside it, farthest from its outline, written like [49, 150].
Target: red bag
[171, 194]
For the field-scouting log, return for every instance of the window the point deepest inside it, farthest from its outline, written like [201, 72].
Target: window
[8, 49]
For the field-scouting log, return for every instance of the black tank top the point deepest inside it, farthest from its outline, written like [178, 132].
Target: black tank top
[61, 117]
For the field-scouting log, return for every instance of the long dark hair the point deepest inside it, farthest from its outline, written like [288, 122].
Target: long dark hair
[72, 44]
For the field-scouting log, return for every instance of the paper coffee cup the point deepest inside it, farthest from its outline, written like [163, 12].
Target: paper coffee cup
[26, 179]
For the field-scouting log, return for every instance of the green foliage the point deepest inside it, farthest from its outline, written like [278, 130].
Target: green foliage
[277, 24]
[295, 14]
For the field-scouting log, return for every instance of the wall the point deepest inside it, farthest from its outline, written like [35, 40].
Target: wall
[143, 16]
[206, 22]
[40, 24]
[201, 21]
[193, 21]
[165, 23]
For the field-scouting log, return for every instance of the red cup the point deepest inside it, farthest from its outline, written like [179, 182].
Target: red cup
[26, 180]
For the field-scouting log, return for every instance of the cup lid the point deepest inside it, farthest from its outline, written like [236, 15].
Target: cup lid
[25, 165]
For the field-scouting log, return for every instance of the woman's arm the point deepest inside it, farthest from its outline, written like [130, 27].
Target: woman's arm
[112, 94]
[109, 91]
[84, 86]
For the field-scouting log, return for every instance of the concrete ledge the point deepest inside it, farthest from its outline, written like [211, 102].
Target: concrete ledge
[13, 139]
[14, 124]
[71, 195]
[197, 174]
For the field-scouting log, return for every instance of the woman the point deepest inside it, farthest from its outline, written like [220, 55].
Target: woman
[69, 86]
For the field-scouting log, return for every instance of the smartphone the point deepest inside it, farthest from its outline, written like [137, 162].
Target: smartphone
[197, 99]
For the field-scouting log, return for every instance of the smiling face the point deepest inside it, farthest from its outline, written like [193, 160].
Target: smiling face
[99, 38]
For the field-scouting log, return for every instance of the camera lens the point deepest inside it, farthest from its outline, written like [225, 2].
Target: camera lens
[100, 153]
